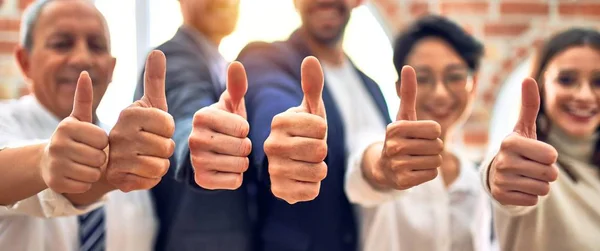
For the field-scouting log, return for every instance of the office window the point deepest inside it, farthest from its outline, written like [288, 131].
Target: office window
[120, 16]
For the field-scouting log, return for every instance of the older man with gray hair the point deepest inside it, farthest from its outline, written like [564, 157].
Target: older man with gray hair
[55, 156]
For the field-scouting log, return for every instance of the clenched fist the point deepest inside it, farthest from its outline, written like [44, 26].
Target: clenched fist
[140, 142]
[412, 149]
[297, 146]
[219, 143]
[72, 160]
[524, 167]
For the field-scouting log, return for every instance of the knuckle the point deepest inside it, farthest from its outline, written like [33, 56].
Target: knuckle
[99, 158]
[242, 165]
[498, 195]
[545, 189]
[437, 161]
[276, 170]
[272, 146]
[439, 145]
[320, 151]
[307, 193]
[501, 181]
[509, 143]
[201, 117]
[245, 147]
[199, 161]
[321, 171]
[320, 129]
[241, 129]
[95, 175]
[163, 168]
[278, 122]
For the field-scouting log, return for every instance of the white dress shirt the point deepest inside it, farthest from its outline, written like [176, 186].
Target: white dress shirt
[34, 224]
[426, 217]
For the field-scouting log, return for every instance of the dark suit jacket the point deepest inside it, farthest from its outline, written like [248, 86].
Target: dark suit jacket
[192, 218]
[328, 222]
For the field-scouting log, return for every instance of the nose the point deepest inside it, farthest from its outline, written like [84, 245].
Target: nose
[81, 56]
[440, 90]
[585, 92]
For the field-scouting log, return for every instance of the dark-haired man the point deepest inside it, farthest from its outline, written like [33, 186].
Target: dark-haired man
[405, 204]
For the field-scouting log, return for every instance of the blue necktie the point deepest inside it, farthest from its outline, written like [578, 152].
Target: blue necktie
[91, 231]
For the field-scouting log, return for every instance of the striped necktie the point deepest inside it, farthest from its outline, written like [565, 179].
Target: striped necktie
[92, 230]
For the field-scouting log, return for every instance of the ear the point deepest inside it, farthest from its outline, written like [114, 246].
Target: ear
[22, 57]
[475, 80]
[113, 64]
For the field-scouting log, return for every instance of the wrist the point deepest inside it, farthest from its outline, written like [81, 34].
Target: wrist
[370, 167]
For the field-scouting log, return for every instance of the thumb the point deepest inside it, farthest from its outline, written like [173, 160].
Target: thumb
[237, 85]
[530, 105]
[154, 80]
[312, 86]
[408, 94]
[83, 100]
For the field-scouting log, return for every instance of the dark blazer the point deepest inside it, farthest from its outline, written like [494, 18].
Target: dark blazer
[190, 217]
[328, 222]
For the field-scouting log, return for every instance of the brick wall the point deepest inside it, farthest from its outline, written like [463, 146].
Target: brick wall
[510, 29]
[11, 82]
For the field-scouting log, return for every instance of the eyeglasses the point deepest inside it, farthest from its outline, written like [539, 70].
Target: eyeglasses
[453, 81]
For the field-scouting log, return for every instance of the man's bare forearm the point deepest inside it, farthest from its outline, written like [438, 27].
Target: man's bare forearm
[21, 177]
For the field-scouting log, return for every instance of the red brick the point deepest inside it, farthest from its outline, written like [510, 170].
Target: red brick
[419, 8]
[24, 3]
[488, 97]
[7, 47]
[521, 52]
[464, 8]
[501, 29]
[391, 10]
[580, 9]
[9, 24]
[526, 8]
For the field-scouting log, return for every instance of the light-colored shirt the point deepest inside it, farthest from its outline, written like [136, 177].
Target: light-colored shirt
[425, 217]
[217, 65]
[568, 218]
[34, 224]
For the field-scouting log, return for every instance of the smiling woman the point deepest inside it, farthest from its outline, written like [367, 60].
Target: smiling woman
[366, 41]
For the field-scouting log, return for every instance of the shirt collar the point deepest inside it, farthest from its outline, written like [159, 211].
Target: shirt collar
[217, 64]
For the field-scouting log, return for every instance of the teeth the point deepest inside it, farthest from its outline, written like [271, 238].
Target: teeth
[582, 112]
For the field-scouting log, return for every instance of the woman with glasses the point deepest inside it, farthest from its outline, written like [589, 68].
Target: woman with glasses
[451, 211]
[545, 178]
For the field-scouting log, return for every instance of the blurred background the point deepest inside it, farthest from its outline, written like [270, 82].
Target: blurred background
[510, 30]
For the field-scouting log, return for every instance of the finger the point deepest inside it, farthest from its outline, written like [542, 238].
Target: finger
[143, 166]
[293, 191]
[312, 86]
[128, 182]
[301, 171]
[522, 184]
[403, 181]
[154, 80]
[71, 186]
[514, 198]
[530, 169]
[298, 148]
[221, 122]
[85, 155]
[237, 85]
[420, 147]
[86, 133]
[82, 173]
[417, 162]
[83, 102]
[153, 145]
[424, 129]
[209, 140]
[300, 125]
[210, 161]
[213, 180]
[150, 120]
[530, 148]
[408, 94]
[530, 105]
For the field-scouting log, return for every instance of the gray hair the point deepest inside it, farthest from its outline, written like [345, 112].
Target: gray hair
[30, 18]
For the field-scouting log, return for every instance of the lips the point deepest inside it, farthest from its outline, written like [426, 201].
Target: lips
[580, 113]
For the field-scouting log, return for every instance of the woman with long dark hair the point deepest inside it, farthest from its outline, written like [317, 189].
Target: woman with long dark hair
[545, 178]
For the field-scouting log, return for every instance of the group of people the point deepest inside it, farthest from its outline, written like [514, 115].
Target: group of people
[291, 146]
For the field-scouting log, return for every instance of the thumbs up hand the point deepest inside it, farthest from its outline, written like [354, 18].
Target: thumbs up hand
[412, 149]
[219, 144]
[524, 167]
[297, 146]
[140, 142]
[72, 160]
